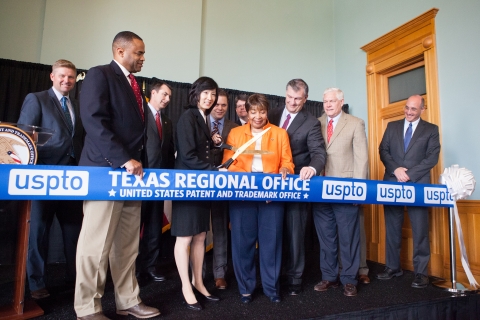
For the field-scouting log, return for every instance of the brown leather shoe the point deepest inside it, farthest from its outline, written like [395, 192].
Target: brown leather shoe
[94, 316]
[363, 278]
[140, 311]
[350, 290]
[220, 283]
[325, 284]
[40, 294]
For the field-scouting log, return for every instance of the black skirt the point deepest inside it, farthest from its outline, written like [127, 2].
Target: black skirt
[190, 218]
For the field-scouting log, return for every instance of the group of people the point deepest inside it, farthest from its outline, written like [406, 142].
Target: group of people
[116, 127]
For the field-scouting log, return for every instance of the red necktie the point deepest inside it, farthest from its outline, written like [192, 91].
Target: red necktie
[329, 130]
[138, 95]
[215, 127]
[287, 121]
[159, 124]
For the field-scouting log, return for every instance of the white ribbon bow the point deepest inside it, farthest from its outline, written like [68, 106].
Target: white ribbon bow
[461, 184]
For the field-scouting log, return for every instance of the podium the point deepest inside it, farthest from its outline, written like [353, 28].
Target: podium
[19, 137]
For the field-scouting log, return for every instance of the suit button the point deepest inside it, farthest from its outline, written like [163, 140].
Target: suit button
[207, 157]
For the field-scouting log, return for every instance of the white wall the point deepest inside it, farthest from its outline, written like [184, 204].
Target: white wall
[21, 29]
[82, 31]
[260, 45]
[458, 45]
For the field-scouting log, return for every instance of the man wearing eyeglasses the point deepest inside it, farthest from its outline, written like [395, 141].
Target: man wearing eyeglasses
[240, 109]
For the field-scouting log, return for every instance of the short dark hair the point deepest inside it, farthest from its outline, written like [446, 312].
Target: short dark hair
[123, 38]
[200, 85]
[258, 101]
[297, 84]
[221, 92]
[62, 63]
[242, 96]
[156, 85]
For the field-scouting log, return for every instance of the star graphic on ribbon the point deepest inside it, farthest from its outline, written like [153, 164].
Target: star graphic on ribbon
[112, 193]
[305, 196]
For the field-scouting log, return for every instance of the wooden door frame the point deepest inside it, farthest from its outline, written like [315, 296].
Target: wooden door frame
[406, 45]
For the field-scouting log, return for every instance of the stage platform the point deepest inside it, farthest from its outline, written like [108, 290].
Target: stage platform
[392, 299]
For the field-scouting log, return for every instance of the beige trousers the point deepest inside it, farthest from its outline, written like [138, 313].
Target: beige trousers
[110, 233]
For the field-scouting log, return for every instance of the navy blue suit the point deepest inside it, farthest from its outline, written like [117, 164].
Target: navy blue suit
[115, 134]
[43, 109]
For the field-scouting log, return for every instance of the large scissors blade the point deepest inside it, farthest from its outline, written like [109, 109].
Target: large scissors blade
[234, 149]
[242, 148]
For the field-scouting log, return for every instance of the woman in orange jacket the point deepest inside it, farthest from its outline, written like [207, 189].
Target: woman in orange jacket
[261, 221]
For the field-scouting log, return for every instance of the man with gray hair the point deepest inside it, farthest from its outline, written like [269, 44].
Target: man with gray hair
[337, 224]
[308, 151]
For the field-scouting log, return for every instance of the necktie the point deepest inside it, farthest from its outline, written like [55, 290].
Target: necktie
[138, 95]
[68, 117]
[287, 121]
[159, 124]
[329, 130]
[408, 136]
[66, 112]
[215, 127]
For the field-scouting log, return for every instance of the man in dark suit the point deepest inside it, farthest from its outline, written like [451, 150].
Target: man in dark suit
[219, 212]
[54, 109]
[409, 150]
[308, 151]
[161, 155]
[114, 113]
[240, 109]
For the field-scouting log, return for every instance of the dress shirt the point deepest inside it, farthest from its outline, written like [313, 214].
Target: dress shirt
[220, 124]
[257, 165]
[414, 126]
[69, 104]
[335, 120]
[154, 112]
[284, 117]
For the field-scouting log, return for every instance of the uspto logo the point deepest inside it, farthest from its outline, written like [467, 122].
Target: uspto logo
[16, 146]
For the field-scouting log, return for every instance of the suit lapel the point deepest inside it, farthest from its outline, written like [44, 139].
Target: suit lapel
[58, 107]
[127, 87]
[201, 122]
[342, 122]
[418, 132]
[297, 122]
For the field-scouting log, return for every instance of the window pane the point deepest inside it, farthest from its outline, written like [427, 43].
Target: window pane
[404, 85]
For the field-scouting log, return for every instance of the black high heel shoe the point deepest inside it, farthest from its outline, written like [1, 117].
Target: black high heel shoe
[194, 306]
[210, 298]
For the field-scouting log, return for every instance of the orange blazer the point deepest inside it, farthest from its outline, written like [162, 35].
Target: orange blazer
[275, 140]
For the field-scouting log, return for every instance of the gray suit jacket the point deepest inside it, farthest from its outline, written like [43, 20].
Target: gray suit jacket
[347, 152]
[306, 141]
[421, 155]
[44, 110]
[160, 153]
[227, 126]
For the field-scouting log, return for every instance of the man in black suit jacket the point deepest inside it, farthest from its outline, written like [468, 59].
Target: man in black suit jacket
[113, 112]
[409, 150]
[54, 109]
[219, 209]
[309, 156]
[161, 155]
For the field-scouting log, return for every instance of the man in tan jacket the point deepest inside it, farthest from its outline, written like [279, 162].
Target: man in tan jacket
[337, 224]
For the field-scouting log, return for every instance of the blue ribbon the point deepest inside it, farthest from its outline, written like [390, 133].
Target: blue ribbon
[39, 182]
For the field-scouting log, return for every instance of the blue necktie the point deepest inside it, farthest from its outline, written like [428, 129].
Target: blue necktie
[68, 117]
[66, 112]
[408, 137]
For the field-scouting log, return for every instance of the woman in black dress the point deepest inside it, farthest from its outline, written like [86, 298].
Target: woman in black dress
[191, 219]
